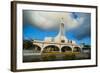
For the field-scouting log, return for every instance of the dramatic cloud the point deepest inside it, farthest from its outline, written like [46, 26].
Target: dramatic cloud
[75, 22]
[84, 30]
[48, 20]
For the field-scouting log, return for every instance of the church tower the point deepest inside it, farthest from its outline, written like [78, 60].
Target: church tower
[61, 38]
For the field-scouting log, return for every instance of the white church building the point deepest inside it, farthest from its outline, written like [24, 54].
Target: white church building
[59, 43]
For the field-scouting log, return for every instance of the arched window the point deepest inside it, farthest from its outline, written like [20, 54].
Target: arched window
[76, 49]
[50, 48]
[66, 49]
[36, 48]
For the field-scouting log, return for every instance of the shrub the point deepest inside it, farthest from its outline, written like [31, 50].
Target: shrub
[69, 57]
[48, 57]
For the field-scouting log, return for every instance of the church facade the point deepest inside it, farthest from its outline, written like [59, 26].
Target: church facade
[60, 43]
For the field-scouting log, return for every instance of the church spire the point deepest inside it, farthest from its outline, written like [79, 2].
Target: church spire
[61, 35]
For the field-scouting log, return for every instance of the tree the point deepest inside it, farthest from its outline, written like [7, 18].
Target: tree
[27, 44]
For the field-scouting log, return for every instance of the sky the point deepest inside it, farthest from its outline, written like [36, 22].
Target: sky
[41, 24]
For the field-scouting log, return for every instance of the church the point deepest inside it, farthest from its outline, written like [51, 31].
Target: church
[60, 43]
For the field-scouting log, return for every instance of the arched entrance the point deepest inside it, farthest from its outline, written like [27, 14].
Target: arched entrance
[36, 48]
[76, 49]
[66, 49]
[50, 48]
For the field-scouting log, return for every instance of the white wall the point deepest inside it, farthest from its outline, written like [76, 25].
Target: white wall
[5, 37]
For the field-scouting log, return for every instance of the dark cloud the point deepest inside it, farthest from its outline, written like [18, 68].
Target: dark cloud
[80, 20]
[84, 30]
